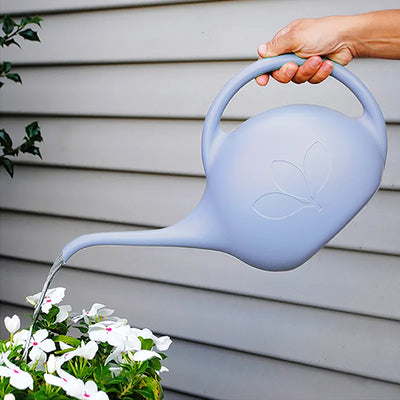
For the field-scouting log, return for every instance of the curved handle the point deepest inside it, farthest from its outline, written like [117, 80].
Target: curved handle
[212, 133]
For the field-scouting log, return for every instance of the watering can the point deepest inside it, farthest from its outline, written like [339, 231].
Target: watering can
[281, 185]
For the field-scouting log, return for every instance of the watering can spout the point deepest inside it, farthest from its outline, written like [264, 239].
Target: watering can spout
[197, 230]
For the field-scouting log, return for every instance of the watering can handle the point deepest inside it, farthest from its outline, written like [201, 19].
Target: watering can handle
[213, 135]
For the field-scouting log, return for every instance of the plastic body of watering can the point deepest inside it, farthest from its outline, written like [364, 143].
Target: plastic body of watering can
[281, 185]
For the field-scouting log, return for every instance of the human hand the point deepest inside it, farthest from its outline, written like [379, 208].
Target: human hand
[309, 38]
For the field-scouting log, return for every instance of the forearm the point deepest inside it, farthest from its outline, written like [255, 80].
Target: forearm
[375, 34]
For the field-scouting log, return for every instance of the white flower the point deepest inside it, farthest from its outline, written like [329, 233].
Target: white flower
[69, 383]
[38, 362]
[114, 333]
[21, 337]
[40, 344]
[53, 296]
[75, 387]
[162, 343]
[12, 324]
[87, 350]
[97, 309]
[9, 396]
[90, 392]
[63, 313]
[115, 355]
[18, 378]
[51, 364]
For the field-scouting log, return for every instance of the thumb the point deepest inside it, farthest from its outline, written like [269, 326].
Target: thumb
[278, 45]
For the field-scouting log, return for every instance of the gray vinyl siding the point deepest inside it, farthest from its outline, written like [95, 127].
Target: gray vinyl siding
[120, 89]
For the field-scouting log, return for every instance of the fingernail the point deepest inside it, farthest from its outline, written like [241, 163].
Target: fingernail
[290, 70]
[315, 62]
[262, 49]
[327, 65]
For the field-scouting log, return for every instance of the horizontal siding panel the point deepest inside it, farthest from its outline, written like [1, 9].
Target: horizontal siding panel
[25, 6]
[182, 32]
[114, 196]
[155, 200]
[346, 343]
[182, 90]
[201, 370]
[166, 146]
[340, 280]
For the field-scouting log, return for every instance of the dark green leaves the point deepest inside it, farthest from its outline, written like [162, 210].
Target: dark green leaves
[14, 77]
[30, 20]
[29, 34]
[12, 30]
[33, 132]
[8, 25]
[5, 140]
[33, 135]
[8, 165]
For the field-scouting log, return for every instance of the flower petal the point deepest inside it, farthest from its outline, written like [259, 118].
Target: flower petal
[21, 380]
[47, 345]
[12, 324]
[35, 353]
[90, 387]
[98, 335]
[53, 380]
[4, 371]
[163, 343]
[40, 335]
[143, 355]
[63, 313]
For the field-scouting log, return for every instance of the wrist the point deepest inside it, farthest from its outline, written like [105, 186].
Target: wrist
[373, 34]
[352, 33]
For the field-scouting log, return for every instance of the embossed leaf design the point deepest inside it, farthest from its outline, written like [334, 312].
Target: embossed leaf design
[316, 167]
[289, 179]
[277, 205]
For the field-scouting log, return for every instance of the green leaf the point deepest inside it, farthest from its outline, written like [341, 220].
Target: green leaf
[5, 139]
[147, 344]
[8, 25]
[14, 77]
[5, 67]
[8, 165]
[68, 340]
[29, 34]
[11, 41]
[33, 131]
[155, 363]
[30, 20]
[147, 393]
[29, 148]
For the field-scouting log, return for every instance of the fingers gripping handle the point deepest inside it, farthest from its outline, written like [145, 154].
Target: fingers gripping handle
[212, 133]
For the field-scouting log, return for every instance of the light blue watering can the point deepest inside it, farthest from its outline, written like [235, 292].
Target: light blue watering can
[281, 185]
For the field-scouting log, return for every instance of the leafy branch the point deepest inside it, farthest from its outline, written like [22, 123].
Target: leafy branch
[33, 135]
[11, 31]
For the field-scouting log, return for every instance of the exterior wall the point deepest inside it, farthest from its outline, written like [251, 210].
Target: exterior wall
[120, 89]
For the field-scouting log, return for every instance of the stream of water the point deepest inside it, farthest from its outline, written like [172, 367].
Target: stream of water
[58, 263]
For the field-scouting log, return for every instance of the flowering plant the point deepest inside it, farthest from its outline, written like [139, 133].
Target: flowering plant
[105, 359]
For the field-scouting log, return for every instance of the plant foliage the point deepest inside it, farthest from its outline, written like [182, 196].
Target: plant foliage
[11, 32]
